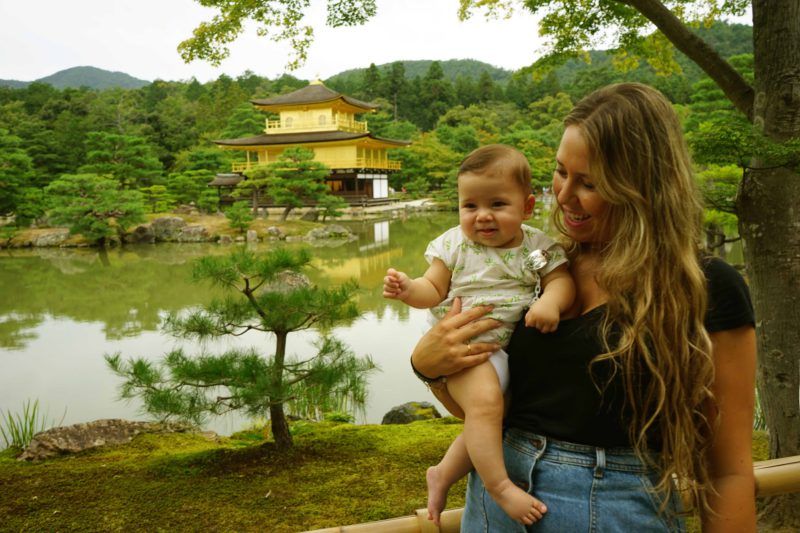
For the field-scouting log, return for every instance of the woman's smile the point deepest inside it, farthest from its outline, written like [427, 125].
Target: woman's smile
[583, 207]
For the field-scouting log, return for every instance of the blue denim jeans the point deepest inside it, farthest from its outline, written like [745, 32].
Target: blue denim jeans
[585, 489]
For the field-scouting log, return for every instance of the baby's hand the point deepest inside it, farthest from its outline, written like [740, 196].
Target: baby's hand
[543, 316]
[396, 285]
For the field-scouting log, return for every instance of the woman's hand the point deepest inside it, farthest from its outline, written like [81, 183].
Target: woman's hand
[445, 349]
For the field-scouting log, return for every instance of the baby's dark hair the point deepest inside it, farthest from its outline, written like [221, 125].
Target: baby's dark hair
[496, 159]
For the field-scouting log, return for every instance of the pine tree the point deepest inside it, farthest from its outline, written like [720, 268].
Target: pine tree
[128, 159]
[94, 206]
[294, 180]
[267, 294]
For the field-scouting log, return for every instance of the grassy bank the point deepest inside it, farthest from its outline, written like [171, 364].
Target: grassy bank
[336, 474]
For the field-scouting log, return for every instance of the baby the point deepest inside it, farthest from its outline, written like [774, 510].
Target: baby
[490, 258]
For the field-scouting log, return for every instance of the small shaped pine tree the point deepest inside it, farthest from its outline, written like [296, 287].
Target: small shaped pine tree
[239, 216]
[265, 296]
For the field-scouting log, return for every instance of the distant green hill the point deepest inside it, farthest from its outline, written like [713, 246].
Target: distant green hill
[92, 77]
[14, 84]
[452, 68]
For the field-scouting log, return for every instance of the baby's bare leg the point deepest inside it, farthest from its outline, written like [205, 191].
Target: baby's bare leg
[454, 465]
[477, 391]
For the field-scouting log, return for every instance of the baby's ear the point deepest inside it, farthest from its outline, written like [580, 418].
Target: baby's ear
[530, 201]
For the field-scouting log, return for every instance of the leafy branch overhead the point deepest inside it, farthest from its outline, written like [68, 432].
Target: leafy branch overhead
[281, 20]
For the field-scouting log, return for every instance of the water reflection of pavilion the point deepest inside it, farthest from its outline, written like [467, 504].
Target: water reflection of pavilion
[374, 256]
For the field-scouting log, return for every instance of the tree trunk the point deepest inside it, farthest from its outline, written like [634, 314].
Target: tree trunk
[769, 222]
[280, 427]
[724, 75]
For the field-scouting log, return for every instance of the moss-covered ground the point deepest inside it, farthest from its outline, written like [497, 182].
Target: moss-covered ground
[336, 474]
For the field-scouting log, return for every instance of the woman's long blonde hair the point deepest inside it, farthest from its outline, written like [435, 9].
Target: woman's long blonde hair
[657, 299]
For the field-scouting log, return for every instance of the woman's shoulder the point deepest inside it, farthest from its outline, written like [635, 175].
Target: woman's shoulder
[729, 304]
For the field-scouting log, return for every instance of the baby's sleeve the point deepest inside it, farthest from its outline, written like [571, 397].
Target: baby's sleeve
[557, 256]
[444, 248]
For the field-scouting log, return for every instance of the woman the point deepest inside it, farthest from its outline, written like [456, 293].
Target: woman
[644, 394]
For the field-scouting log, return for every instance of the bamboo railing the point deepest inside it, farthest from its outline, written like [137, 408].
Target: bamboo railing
[773, 477]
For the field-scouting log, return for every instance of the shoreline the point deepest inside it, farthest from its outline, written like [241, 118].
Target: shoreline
[214, 228]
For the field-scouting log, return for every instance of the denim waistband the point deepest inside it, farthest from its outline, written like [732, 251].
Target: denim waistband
[554, 450]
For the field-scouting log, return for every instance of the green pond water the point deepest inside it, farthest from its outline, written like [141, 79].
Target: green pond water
[61, 310]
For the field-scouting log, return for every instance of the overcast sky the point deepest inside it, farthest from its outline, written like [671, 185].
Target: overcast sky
[140, 37]
[41, 37]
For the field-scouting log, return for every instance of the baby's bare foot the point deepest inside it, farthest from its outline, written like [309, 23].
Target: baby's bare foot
[518, 504]
[437, 494]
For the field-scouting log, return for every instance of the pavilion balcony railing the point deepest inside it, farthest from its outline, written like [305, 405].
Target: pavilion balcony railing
[338, 124]
[356, 163]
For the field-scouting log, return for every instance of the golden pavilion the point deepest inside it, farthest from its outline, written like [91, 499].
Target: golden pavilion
[327, 122]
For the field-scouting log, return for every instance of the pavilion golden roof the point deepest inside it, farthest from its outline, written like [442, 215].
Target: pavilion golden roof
[314, 93]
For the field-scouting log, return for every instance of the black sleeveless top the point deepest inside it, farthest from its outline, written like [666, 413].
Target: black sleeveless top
[552, 392]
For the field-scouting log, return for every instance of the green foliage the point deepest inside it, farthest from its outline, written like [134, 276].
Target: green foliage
[16, 169]
[239, 216]
[435, 97]
[428, 161]
[128, 159]
[331, 206]
[720, 185]
[294, 180]
[573, 25]
[280, 19]
[31, 205]
[18, 429]
[176, 121]
[460, 139]
[541, 155]
[210, 159]
[93, 206]
[470, 69]
[265, 294]
[339, 417]
[158, 198]
[208, 202]
[187, 186]
[245, 121]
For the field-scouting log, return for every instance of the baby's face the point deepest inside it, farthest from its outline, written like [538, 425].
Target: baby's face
[491, 209]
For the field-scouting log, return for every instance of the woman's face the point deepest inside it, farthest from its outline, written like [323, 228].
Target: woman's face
[584, 209]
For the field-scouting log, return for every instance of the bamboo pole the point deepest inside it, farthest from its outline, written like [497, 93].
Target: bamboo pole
[776, 476]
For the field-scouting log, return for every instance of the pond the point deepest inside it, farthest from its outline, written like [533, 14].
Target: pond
[61, 310]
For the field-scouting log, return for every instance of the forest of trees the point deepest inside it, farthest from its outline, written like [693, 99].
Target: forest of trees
[155, 141]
